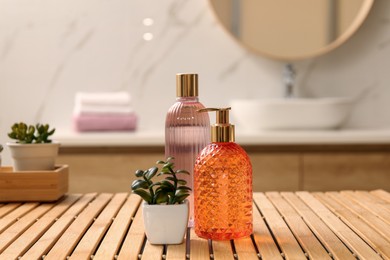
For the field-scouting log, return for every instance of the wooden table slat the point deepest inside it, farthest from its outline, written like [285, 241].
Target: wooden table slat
[199, 248]
[362, 213]
[349, 237]
[301, 231]
[134, 239]
[91, 239]
[263, 238]
[381, 194]
[333, 244]
[177, 252]
[222, 250]
[245, 249]
[370, 202]
[281, 231]
[152, 252]
[5, 209]
[76, 230]
[13, 216]
[13, 232]
[113, 239]
[370, 236]
[45, 242]
[30, 236]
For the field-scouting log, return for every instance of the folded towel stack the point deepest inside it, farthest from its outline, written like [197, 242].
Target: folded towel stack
[104, 111]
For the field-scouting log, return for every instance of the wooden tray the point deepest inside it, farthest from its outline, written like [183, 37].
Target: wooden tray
[33, 185]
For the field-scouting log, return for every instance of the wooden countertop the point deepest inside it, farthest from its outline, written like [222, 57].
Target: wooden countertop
[290, 225]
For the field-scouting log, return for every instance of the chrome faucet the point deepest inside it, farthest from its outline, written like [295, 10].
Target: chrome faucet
[289, 76]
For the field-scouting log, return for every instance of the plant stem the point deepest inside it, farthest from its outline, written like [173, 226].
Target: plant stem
[150, 188]
[174, 184]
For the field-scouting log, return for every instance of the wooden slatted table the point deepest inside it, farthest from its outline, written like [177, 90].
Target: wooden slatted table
[287, 225]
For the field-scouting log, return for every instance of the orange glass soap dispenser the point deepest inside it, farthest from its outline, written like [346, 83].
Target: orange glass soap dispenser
[223, 184]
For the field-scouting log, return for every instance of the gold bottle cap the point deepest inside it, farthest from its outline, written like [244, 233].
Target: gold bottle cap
[186, 85]
[222, 130]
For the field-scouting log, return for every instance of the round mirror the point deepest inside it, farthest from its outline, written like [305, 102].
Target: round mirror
[291, 29]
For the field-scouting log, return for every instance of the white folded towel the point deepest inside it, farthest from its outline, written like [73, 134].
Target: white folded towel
[119, 98]
[81, 109]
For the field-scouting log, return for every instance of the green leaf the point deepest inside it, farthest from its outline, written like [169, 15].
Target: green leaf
[183, 172]
[181, 198]
[151, 172]
[170, 158]
[139, 173]
[155, 184]
[31, 129]
[40, 128]
[139, 184]
[171, 197]
[160, 162]
[184, 188]
[168, 165]
[170, 178]
[165, 171]
[161, 197]
[182, 182]
[165, 189]
[144, 195]
[179, 193]
[167, 184]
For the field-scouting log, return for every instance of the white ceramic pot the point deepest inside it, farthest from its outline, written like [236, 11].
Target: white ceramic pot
[165, 224]
[32, 157]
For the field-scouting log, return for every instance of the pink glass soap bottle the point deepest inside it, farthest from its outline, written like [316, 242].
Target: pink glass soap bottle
[223, 185]
[187, 132]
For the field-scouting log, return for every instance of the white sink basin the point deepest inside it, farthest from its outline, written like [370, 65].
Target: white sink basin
[290, 113]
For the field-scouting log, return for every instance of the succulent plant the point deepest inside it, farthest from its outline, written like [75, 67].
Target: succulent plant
[1, 148]
[169, 190]
[27, 134]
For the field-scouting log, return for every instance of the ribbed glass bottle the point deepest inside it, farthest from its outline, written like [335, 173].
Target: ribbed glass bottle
[187, 131]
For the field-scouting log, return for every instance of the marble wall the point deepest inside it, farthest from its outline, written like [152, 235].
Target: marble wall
[50, 49]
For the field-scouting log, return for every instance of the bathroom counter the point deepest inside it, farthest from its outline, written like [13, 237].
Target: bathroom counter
[288, 160]
[149, 138]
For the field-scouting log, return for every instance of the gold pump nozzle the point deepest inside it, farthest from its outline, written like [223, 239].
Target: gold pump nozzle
[222, 130]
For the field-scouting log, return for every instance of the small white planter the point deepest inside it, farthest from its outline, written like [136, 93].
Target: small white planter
[165, 224]
[32, 157]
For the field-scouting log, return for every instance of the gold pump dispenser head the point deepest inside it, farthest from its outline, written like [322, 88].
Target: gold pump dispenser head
[186, 85]
[222, 130]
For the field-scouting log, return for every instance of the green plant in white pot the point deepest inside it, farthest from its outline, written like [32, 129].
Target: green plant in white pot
[165, 207]
[33, 150]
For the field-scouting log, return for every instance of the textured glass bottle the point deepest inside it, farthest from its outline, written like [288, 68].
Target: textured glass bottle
[187, 131]
[223, 185]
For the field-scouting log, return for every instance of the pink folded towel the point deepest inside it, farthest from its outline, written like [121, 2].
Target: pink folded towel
[109, 122]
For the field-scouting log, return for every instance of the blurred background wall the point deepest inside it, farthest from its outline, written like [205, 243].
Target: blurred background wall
[50, 49]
